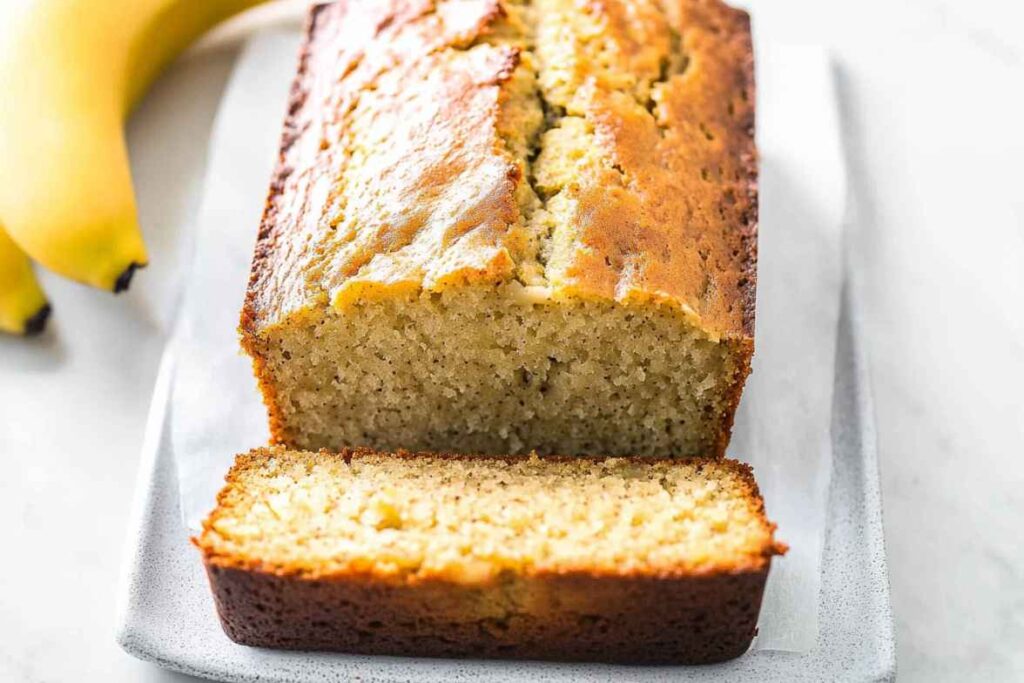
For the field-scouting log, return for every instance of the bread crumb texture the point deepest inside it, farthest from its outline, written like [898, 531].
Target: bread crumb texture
[475, 519]
[505, 226]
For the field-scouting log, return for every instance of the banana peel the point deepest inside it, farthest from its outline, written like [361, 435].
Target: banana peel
[23, 305]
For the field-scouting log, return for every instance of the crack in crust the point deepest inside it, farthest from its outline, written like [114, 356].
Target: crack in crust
[634, 178]
[647, 164]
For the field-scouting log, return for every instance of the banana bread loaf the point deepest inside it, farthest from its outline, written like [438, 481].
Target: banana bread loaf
[503, 226]
[610, 559]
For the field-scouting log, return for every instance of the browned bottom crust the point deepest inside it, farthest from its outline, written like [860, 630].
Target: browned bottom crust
[688, 620]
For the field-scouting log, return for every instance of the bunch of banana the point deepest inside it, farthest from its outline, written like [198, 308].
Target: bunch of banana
[71, 71]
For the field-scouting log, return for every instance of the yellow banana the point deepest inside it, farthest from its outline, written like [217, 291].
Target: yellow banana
[71, 71]
[23, 306]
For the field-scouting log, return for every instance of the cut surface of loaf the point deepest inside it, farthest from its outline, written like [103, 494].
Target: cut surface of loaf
[510, 226]
[619, 559]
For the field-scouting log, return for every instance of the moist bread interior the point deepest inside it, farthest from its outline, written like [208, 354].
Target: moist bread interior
[486, 370]
[470, 519]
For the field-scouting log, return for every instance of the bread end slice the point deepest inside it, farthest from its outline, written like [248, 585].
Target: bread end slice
[598, 559]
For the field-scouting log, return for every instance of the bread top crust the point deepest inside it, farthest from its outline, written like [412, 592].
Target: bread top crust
[289, 482]
[600, 150]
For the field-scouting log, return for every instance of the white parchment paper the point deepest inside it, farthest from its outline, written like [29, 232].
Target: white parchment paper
[783, 424]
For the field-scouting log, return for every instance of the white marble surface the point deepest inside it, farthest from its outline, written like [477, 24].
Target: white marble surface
[933, 104]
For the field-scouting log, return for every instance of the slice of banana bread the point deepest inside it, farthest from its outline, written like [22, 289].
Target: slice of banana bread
[611, 559]
[510, 226]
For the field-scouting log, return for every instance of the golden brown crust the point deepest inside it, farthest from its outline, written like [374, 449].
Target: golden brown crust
[431, 199]
[671, 216]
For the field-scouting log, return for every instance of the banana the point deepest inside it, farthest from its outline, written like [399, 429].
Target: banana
[23, 306]
[71, 72]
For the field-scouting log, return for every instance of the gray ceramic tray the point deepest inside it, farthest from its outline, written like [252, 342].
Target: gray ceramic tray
[166, 614]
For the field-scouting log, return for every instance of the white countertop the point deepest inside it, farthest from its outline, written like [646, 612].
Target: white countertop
[932, 98]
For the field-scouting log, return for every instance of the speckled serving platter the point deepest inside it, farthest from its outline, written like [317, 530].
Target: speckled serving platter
[166, 614]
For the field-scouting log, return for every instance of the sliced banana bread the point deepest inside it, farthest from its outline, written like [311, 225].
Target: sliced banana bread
[611, 559]
[510, 226]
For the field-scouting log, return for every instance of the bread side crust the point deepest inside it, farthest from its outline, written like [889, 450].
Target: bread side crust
[251, 340]
[744, 356]
[685, 620]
